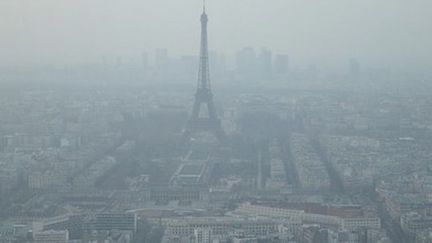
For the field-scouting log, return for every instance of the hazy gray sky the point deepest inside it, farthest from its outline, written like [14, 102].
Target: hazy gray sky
[310, 31]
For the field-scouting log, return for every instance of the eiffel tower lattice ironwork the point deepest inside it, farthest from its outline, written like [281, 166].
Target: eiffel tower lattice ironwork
[203, 95]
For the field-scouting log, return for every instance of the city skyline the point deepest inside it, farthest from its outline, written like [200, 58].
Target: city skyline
[262, 145]
[325, 33]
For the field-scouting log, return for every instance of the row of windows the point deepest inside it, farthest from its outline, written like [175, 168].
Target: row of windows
[221, 229]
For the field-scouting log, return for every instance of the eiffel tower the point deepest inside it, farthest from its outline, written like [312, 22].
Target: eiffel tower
[203, 96]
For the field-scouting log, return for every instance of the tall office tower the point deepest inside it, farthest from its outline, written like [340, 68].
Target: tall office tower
[208, 122]
[281, 64]
[265, 63]
[246, 62]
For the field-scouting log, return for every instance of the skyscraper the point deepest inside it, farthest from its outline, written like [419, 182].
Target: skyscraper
[246, 62]
[281, 64]
[265, 63]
